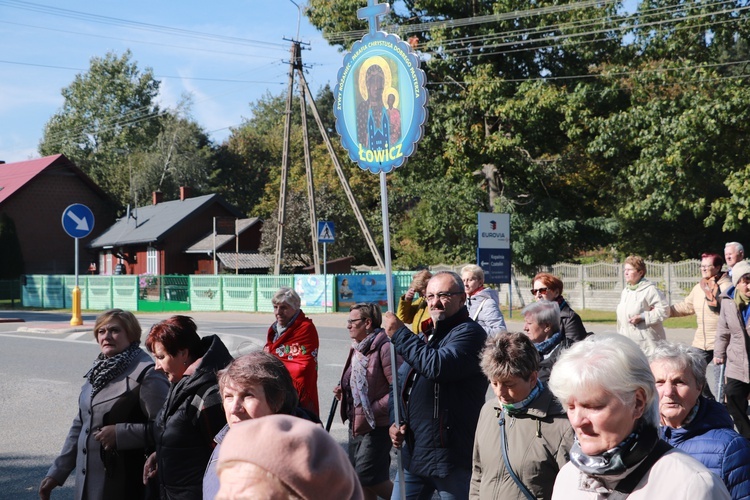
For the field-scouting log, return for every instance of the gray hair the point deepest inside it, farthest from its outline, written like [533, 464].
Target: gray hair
[544, 312]
[681, 357]
[737, 247]
[287, 295]
[476, 271]
[508, 355]
[613, 363]
[458, 283]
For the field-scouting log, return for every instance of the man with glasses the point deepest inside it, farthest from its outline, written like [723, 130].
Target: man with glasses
[442, 390]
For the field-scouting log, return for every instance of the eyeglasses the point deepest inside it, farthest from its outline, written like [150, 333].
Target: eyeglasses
[442, 296]
[542, 290]
[350, 322]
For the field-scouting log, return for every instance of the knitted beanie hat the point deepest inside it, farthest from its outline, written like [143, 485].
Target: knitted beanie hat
[739, 270]
[298, 452]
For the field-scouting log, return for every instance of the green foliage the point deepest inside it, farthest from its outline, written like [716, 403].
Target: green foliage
[11, 259]
[109, 109]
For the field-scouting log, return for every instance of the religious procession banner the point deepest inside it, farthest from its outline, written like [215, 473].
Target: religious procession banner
[381, 102]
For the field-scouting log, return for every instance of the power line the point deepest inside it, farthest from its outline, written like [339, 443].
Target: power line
[115, 21]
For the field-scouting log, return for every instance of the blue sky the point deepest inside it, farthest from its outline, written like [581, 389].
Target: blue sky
[43, 49]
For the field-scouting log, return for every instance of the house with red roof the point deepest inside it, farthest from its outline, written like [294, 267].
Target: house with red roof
[34, 194]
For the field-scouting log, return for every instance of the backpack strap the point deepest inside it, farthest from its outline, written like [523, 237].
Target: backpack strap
[504, 448]
[479, 309]
[625, 487]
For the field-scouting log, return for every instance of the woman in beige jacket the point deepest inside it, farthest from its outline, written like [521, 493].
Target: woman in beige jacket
[704, 302]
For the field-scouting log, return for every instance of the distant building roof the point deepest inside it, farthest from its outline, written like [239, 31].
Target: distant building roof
[245, 260]
[152, 223]
[14, 176]
[207, 244]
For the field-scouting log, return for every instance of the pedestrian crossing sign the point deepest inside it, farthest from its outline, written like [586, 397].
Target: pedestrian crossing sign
[325, 232]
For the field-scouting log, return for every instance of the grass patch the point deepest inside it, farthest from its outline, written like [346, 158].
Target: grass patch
[610, 318]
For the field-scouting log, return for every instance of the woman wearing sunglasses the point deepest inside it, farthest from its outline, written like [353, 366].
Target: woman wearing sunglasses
[549, 287]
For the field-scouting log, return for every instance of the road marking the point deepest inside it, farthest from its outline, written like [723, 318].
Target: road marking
[77, 335]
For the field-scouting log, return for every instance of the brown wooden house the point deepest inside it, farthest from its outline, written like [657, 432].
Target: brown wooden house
[34, 194]
[156, 239]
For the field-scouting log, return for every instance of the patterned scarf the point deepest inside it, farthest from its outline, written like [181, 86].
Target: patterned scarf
[547, 346]
[521, 406]
[358, 378]
[107, 369]
[619, 459]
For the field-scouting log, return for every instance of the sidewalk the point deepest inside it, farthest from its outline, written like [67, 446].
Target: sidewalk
[59, 322]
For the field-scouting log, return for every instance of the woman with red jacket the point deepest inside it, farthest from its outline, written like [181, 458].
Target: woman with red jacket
[294, 340]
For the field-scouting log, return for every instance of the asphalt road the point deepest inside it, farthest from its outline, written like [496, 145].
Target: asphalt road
[43, 360]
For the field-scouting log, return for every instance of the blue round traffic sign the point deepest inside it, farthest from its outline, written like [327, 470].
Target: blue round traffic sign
[78, 220]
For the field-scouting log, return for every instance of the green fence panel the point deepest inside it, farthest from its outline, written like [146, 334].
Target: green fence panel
[31, 291]
[98, 293]
[401, 282]
[239, 293]
[54, 292]
[68, 286]
[205, 293]
[267, 287]
[125, 292]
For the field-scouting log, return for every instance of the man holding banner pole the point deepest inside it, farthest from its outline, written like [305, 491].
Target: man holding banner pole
[442, 390]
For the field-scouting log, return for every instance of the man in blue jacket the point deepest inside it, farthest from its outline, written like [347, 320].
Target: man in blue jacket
[442, 390]
[698, 426]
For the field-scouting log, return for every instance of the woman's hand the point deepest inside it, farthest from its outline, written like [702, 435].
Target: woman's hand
[635, 319]
[397, 435]
[107, 436]
[409, 295]
[149, 468]
[718, 361]
[337, 392]
[45, 489]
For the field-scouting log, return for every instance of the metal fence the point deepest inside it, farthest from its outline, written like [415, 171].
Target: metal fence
[591, 286]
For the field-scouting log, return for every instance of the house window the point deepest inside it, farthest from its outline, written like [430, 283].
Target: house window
[152, 261]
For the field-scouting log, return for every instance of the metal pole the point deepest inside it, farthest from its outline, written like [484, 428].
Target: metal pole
[76, 319]
[389, 290]
[325, 279]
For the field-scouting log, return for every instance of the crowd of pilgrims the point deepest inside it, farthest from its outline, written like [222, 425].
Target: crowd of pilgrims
[571, 414]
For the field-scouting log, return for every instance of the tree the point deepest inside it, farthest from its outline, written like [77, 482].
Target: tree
[11, 258]
[110, 109]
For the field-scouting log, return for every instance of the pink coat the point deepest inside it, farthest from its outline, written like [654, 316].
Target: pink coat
[379, 378]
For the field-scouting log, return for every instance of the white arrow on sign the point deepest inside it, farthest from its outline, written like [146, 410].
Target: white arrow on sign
[83, 225]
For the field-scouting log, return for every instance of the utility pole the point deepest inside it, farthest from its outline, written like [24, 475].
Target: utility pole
[295, 65]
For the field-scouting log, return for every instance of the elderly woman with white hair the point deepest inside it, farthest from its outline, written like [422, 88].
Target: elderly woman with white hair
[695, 424]
[606, 385]
[294, 340]
[542, 326]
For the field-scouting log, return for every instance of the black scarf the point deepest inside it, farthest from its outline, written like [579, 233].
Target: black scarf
[107, 369]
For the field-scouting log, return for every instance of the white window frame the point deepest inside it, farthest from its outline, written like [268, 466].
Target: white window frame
[152, 260]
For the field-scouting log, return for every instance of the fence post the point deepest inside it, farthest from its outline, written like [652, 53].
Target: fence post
[667, 276]
[582, 281]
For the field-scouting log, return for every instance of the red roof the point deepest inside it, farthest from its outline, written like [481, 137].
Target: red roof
[13, 176]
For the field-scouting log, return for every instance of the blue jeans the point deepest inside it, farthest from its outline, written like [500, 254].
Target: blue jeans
[454, 487]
